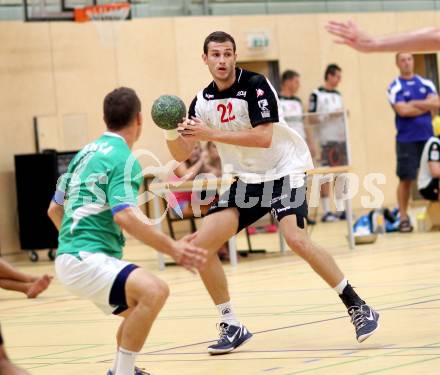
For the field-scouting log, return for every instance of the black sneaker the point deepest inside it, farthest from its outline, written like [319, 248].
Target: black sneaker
[310, 221]
[365, 321]
[231, 337]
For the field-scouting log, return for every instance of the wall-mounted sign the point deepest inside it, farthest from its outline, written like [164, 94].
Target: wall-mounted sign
[258, 40]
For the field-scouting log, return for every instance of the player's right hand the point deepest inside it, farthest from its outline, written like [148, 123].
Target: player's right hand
[191, 257]
[182, 125]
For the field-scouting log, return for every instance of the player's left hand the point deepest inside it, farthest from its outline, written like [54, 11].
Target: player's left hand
[196, 129]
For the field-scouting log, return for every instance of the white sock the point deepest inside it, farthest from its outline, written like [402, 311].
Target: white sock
[325, 201]
[125, 362]
[227, 314]
[341, 286]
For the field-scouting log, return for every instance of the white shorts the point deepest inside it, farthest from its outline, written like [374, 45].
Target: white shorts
[97, 277]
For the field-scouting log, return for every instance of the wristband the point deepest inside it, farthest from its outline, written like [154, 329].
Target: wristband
[171, 135]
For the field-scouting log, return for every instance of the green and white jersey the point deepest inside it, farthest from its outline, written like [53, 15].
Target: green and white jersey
[102, 179]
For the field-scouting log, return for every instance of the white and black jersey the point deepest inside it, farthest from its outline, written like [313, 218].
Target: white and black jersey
[431, 152]
[292, 112]
[249, 102]
[324, 102]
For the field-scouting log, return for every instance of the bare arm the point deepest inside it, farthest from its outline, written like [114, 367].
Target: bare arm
[189, 173]
[55, 213]
[434, 168]
[181, 148]
[431, 103]
[348, 33]
[407, 109]
[134, 222]
[259, 136]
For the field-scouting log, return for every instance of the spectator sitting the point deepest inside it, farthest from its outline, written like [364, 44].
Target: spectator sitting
[187, 171]
[429, 174]
[211, 158]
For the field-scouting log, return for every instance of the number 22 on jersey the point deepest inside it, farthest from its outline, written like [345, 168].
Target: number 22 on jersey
[226, 112]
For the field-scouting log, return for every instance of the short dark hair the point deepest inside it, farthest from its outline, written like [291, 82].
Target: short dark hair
[400, 53]
[120, 108]
[218, 37]
[331, 70]
[289, 74]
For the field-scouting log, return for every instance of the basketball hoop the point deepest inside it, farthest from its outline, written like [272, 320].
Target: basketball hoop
[105, 18]
[103, 12]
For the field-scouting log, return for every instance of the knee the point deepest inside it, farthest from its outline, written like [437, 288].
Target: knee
[154, 294]
[299, 244]
[160, 292]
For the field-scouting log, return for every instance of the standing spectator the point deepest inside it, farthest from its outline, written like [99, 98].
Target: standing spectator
[412, 98]
[326, 102]
[292, 110]
[292, 107]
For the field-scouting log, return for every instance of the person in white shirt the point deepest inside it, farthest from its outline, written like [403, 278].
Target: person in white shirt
[327, 107]
[429, 173]
[239, 111]
[293, 113]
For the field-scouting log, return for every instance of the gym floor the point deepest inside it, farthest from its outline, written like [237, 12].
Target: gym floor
[300, 325]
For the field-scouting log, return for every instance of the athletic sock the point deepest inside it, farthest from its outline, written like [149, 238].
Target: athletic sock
[125, 362]
[325, 201]
[341, 286]
[350, 297]
[227, 314]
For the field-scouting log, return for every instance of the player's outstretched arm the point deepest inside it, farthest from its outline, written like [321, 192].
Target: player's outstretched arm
[133, 221]
[348, 33]
[55, 213]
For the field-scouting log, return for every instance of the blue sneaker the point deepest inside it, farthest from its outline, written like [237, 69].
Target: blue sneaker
[365, 321]
[231, 337]
[137, 371]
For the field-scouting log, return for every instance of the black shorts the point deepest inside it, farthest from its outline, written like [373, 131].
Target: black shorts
[408, 159]
[253, 201]
[431, 191]
[333, 154]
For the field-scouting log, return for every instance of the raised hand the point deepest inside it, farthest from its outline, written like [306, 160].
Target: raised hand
[350, 34]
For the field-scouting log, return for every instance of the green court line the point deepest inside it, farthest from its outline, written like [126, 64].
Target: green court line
[383, 305]
[84, 358]
[351, 361]
[86, 346]
[300, 310]
[400, 366]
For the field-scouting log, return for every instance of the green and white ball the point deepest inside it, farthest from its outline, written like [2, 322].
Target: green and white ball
[167, 111]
